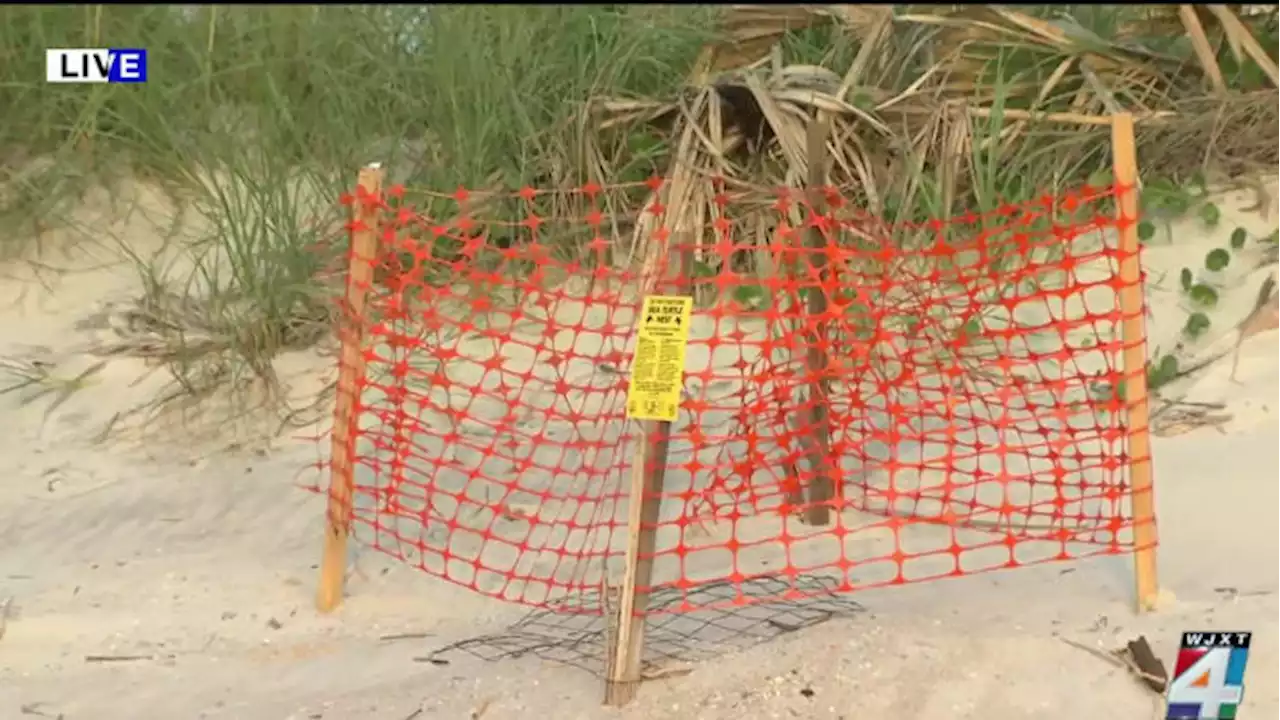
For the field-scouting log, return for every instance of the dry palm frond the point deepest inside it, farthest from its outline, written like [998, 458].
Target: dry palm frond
[929, 117]
[1209, 28]
[1155, 20]
[1235, 136]
[973, 36]
[1242, 40]
[686, 201]
[750, 32]
[1203, 49]
[932, 87]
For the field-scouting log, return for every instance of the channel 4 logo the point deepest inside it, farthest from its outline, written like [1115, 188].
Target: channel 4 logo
[1208, 680]
[95, 65]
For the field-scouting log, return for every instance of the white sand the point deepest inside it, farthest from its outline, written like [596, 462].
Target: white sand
[188, 550]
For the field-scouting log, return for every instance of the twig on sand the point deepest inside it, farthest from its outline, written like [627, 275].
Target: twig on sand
[1184, 372]
[1257, 320]
[1136, 657]
[662, 673]
[38, 379]
[405, 636]
[4, 614]
[1231, 593]
[34, 709]
[117, 658]
[480, 709]
[1168, 404]
[1176, 417]
[1106, 657]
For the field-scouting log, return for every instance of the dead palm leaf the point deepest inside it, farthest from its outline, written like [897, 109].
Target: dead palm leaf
[1239, 36]
[751, 31]
[1264, 316]
[1203, 49]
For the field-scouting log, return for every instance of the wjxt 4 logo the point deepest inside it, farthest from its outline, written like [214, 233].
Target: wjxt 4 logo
[1208, 680]
[96, 65]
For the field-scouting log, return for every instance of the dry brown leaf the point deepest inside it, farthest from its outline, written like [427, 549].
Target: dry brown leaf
[1204, 51]
[1237, 32]
[1264, 316]
[1267, 318]
[1046, 31]
[870, 43]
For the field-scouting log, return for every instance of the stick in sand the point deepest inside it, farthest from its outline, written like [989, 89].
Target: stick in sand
[625, 651]
[1134, 362]
[364, 248]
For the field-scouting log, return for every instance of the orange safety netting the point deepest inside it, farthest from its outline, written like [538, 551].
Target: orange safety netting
[951, 391]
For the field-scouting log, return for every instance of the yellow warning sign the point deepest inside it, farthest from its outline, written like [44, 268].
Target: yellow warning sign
[657, 368]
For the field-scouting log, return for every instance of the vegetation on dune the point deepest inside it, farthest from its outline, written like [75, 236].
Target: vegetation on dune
[257, 117]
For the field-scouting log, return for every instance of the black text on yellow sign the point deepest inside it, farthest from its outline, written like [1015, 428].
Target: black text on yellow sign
[657, 368]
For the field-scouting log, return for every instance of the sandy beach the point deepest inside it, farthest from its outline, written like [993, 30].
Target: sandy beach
[169, 570]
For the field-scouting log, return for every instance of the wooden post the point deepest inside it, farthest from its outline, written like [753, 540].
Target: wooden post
[364, 249]
[821, 485]
[625, 650]
[1134, 362]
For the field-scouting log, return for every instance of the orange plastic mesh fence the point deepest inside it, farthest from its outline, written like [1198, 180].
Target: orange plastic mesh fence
[956, 384]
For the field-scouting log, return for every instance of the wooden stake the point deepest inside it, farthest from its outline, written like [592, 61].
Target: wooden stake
[1133, 335]
[648, 473]
[821, 485]
[364, 249]
[625, 651]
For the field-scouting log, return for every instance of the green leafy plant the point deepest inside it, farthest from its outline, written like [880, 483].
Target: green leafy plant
[1197, 324]
[1217, 260]
[1210, 214]
[1161, 371]
[1238, 238]
[1164, 197]
[1204, 295]
[1200, 183]
[751, 297]
[550, 96]
[247, 105]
